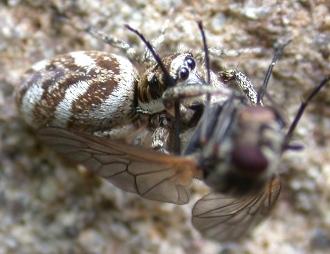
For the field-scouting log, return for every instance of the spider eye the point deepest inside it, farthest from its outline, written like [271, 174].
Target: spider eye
[154, 81]
[191, 63]
[183, 73]
[154, 87]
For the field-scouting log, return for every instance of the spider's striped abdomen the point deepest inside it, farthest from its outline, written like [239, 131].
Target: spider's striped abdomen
[88, 90]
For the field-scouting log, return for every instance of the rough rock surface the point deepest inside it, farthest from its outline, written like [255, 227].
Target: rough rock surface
[49, 207]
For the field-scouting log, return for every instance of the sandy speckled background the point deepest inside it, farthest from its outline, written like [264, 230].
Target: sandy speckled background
[47, 207]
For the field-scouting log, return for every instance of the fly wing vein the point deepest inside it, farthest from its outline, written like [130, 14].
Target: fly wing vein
[150, 174]
[228, 218]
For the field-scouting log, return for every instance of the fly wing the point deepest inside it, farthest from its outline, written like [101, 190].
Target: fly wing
[150, 174]
[227, 219]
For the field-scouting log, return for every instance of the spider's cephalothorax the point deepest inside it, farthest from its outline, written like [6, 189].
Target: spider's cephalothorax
[182, 69]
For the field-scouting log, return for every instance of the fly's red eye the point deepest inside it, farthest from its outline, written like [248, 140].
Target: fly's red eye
[249, 160]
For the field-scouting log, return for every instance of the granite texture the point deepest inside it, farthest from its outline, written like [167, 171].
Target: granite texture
[47, 206]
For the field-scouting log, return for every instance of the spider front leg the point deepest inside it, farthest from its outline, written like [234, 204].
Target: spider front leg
[127, 49]
[160, 126]
[244, 84]
[156, 43]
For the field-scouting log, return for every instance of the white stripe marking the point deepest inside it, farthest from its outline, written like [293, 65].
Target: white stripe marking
[83, 60]
[63, 109]
[41, 65]
[119, 103]
[29, 101]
